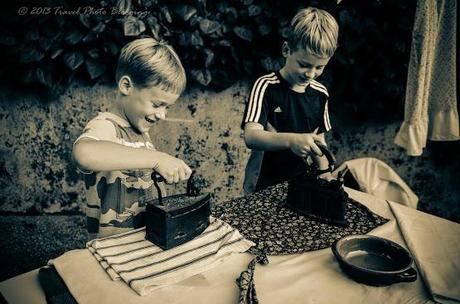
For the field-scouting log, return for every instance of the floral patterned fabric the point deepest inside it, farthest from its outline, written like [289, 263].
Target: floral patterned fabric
[277, 230]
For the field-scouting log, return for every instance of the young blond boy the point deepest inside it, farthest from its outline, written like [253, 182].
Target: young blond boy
[287, 111]
[115, 150]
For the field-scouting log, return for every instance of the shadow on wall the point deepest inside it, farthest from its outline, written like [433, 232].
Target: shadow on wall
[37, 176]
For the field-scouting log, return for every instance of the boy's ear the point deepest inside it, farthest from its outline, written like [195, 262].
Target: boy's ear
[285, 49]
[125, 85]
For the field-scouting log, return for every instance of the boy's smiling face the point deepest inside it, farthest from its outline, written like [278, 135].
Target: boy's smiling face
[144, 106]
[301, 66]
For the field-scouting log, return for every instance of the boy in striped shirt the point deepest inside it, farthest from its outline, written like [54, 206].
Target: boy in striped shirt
[287, 111]
[115, 150]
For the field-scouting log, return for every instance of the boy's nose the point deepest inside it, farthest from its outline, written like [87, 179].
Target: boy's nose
[310, 74]
[160, 115]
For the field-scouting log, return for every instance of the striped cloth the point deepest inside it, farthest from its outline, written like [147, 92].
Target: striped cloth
[145, 267]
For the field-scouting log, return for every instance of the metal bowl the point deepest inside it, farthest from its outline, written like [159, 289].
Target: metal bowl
[373, 260]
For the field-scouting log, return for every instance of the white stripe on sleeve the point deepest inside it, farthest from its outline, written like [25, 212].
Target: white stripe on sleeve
[257, 95]
[327, 122]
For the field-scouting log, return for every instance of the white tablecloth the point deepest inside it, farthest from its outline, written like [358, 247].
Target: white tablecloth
[312, 277]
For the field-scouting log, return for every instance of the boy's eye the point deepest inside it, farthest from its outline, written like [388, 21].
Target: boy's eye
[309, 66]
[157, 104]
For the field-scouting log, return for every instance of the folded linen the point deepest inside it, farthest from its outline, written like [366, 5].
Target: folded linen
[144, 266]
[435, 245]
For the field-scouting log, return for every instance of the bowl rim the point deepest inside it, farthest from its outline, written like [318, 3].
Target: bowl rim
[341, 259]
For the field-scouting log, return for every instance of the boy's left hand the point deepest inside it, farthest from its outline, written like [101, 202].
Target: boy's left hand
[327, 176]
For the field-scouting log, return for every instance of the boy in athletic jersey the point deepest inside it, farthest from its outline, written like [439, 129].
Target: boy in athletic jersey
[287, 111]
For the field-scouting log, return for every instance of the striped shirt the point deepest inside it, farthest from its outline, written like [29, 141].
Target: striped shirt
[115, 200]
[272, 101]
[144, 266]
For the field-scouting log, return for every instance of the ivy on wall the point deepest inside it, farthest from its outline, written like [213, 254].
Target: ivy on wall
[55, 43]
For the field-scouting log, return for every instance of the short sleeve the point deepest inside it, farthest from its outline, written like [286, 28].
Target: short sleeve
[257, 107]
[325, 125]
[99, 129]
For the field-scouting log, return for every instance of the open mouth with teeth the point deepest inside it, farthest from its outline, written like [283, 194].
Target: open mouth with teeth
[150, 120]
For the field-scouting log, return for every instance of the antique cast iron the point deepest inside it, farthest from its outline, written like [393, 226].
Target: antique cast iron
[316, 198]
[176, 219]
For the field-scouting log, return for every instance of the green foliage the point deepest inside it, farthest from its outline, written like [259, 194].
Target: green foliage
[219, 43]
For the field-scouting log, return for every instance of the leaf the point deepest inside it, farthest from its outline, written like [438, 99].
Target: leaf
[345, 18]
[208, 26]
[32, 35]
[54, 34]
[284, 32]
[73, 60]
[94, 68]
[264, 29]
[38, 75]
[60, 20]
[202, 76]
[84, 19]
[225, 29]
[99, 28]
[30, 76]
[30, 55]
[73, 37]
[45, 43]
[196, 39]
[124, 6]
[94, 33]
[94, 53]
[209, 57]
[246, 2]
[148, 3]
[56, 53]
[91, 36]
[222, 6]
[112, 48]
[248, 66]
[243, 32]
[154, 26]
[183, 39]
[201, 5]
[165, 12]
[270, 64]
[267, 64]
[43, 77]
[225, 42]
[231, 11]
[254, 10]
[133, 26]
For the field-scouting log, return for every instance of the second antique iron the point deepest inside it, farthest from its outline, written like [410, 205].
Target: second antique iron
[316, 198]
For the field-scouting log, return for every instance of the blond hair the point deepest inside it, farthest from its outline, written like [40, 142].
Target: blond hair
[150, 62]
[315, 30]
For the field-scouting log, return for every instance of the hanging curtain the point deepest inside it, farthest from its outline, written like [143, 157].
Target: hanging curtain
[431, 94]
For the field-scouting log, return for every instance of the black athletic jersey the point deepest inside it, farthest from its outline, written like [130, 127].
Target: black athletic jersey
[271, 100]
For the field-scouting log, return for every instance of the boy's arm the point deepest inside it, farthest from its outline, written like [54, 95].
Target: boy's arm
[301, 144]
[100, 155]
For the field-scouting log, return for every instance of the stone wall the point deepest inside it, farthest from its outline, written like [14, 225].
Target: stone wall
[37, 175]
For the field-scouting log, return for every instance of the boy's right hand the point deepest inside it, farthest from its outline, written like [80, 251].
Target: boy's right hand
[172, 169]
[302, 144]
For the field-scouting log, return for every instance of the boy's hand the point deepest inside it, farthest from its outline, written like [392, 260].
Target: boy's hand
[302, 144]
[327, 176]
[172, 169]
